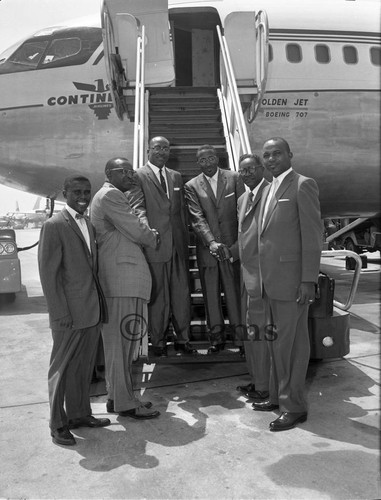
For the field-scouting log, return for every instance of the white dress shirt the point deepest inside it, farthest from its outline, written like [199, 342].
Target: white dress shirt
[156, 171]
[81, 223]
[276, 182]
[213, 182]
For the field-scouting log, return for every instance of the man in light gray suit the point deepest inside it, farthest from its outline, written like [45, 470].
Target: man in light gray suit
[126, 281]
[212, 203]
[256, 350]
[290, 243]
[67, 260]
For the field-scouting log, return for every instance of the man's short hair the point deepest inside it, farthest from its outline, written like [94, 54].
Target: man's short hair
[115, 163]
[73, 178]
[206, 147]
[280, 139]
[252, 156]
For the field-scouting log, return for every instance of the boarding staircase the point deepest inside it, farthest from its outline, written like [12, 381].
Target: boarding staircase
[188, 117]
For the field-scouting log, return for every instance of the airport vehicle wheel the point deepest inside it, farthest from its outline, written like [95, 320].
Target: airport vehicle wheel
[349, 245]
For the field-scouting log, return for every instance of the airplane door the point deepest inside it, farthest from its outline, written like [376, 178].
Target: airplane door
[240, 34]
[122, 21]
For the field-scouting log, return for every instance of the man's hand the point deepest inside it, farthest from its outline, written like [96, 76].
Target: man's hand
[306, 293]
[225, 253]
[215, 249]
[157, 237]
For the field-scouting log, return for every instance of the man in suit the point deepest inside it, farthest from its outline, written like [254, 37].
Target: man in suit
[212, 203]
[256, 350]
[67, 259]
[160, 202]
[290, 243]
[126, 281]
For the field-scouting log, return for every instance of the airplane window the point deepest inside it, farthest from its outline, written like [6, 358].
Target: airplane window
[66, 47]
[375, 56]
[61, 48]
[322, 53]
[29, 54]
[293, 52]
[350, 54]
[271, 54]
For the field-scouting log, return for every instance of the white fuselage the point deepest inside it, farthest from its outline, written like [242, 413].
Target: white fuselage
[58, 121]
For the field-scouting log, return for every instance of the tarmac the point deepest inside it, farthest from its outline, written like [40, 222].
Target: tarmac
[208, 442]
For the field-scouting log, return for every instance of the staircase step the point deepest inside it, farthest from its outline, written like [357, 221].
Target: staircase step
[209, 115]
[182, 91]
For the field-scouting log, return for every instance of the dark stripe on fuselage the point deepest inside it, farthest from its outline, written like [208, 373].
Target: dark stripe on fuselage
[23, 107]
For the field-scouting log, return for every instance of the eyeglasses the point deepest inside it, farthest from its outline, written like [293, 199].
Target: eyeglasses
[160, 148]
[248, 171]
[125, 171]
[209, 159]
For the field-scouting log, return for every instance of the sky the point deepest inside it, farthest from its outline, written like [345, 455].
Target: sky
[18, 19]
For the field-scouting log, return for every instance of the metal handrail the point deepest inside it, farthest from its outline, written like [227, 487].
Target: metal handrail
[335, 253]
[228, 138]
[232, 87]
[139, 103]
[262, 62]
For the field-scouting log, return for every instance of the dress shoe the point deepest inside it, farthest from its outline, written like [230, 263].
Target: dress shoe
[215, 348]
[257, 395]
[186, 348]
[63, 436]
[264, 406]
[110, 405]
[246, 388]
[140, 413]
[160, 352]
[88, 421]
[287, 421]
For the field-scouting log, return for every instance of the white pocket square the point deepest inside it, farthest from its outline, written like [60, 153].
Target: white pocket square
[284, 199]
[227, 196]
[176, 189]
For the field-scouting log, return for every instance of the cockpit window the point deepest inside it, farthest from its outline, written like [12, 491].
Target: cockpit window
[29, 54]
[63, 47]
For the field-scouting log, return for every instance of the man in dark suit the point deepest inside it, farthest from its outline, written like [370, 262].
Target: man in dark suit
[67, 258]
[256, 350]
[160, 202]
[126, 281]
[290, 243]
[212, 203]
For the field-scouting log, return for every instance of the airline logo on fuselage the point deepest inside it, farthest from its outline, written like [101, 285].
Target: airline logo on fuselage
[98, 98]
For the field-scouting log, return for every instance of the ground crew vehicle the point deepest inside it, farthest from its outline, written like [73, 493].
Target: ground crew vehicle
[10, 272]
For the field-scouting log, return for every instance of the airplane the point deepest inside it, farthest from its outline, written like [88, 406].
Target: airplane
[322, 90]
[29, 219]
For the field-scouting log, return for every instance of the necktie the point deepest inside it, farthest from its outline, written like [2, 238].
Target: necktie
[249, 205]
[162, 181]
[273, 188]
[213, 185]
[80, 216]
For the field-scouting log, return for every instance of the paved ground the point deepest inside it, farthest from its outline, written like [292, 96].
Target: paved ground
[208, 442]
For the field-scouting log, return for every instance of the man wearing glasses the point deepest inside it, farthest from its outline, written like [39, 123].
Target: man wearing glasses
[126, 282]
[257, 353]
[160, 202]
[212, 202]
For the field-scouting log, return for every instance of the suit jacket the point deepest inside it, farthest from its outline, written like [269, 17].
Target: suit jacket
[166, 215]
[68, 272]
[291, 237]
[123, 270]
[248, 241]
[214, 218]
